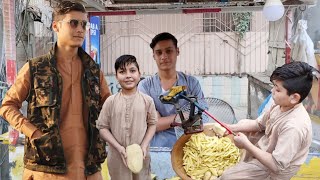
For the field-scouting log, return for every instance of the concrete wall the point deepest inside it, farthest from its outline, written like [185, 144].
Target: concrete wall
[232, 89]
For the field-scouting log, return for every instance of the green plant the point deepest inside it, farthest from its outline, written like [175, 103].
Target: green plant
[241, 22]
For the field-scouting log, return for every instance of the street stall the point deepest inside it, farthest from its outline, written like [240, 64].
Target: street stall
[233, 32]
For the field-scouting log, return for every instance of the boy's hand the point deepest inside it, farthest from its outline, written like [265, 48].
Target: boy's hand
[144, 150]
[123, 155]
[234, 127]
[241, 140]
[231, 127]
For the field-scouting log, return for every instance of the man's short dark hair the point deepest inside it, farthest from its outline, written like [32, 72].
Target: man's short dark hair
[296, 77]
[163, 36]
[65, 7]
[124, 60]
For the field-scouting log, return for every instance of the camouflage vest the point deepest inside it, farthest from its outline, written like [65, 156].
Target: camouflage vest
[46, 154]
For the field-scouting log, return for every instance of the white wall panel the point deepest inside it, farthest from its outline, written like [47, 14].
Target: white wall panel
[201, 53]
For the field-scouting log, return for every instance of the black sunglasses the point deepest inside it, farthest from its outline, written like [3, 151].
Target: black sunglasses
[74, 24]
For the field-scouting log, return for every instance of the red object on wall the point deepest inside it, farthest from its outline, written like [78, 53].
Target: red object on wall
[11, 70]
[13, 137]
[202, 10]
[115, 13]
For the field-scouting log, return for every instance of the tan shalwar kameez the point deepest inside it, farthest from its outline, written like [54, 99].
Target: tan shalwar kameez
[127, 118]
[287, 136]
[73, 126]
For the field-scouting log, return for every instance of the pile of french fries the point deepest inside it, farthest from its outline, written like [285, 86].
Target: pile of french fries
[205, 157]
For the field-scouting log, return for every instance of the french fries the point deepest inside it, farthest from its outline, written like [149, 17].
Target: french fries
[205, 155]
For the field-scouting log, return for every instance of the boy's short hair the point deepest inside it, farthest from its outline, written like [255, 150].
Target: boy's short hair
[124, 60]
[163, 36]
[296, 77]
[65, 7]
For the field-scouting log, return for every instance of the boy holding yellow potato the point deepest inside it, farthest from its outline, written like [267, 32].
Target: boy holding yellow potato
[285, 129]
[128, 122]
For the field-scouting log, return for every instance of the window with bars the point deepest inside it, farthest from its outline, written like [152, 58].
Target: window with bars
[219, 22]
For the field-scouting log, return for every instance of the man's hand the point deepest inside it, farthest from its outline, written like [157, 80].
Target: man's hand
[123, 155]
[241, 141]
[36, 134]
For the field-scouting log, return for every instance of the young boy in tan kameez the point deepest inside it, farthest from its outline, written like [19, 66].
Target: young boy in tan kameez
[285, 130]
[128, 117]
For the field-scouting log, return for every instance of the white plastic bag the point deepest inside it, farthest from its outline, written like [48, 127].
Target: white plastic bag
[302, 48]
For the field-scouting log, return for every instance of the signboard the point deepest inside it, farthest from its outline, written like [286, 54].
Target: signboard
[95, 38]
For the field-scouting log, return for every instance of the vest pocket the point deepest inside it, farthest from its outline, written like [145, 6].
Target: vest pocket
[48, 150]
[31, 155]
[45, 87]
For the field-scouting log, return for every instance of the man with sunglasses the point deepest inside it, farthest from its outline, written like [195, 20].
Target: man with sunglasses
[65, 90]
